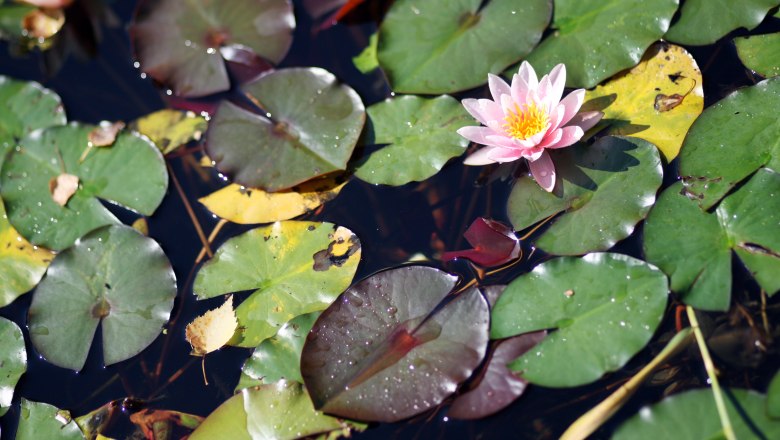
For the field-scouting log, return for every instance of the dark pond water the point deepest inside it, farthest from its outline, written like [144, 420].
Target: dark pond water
[392, 223]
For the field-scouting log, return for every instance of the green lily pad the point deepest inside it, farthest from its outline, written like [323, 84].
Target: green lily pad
[295, 267]
[281, 411]
[598, 38]
[731, 140]
[694, 247]
[114, 276]
[278, 357]
[13, 361]
[24, 107]
[603, 190]
[309, 127]
[760, 53]
[773, 397]
[443, 46]
[705, 21]
[604, 308]
[43, 421]
[422, 137]
[693, 415]
[390, 347]
[131, 172]
[366, 61]
[182, 44]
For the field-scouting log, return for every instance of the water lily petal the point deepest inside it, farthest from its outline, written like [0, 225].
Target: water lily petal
[476, 134]
[520, 90]
[571, 105]
[586, 120]
[552, 137]
[502, 155]
[556, 118]
[557, 83]
[479, 157]
[543, 171]
[483, 110]
[528, 74]
[498, 87]
[569, 135]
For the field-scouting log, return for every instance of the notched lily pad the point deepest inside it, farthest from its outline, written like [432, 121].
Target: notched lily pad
[181, 44]
[131, 173]
[603, 190]
[760, 53]
[294, 267]
[308, 127]
[385, 350]
[115, 277]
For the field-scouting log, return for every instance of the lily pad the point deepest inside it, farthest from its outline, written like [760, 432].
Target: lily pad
[773, 397]
[295, 267]
[603, 190]
[385, 350]
[693, 415]
[657, 100]
[598, 38]
[694, 247]
[169, 129]
[604, 308]
[760, 53]
[113, 276]
[705, 21]
[13, 361]
[251, 205]
[43, 421]
[443, 46]
[730, 141]
[421, 137]
[131, 173]
[309, 127]
[366, 61]
[180, 44]
[275, 411]
[278, 357]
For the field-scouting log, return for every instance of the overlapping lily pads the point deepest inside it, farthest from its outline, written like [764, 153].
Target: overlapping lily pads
[281, 410]
[387, 349]
[13, 361]
[694, 247]
[421, 138]
[182, 44]
[443, 46]
[604, 308]
[730, 141]
[603, 190]
[39, 420]
[115, 277]
[295, 267]
[693, 415]
[705, 21]
[131, 172]
[598, 38]
[657, 100]
[308, 127]
[760, 53]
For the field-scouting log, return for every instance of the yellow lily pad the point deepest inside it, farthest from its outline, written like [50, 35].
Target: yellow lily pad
[657, 100]
[170, 129]
[243, 205]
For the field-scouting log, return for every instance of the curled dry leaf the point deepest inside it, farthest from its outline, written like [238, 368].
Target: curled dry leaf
[494, 244]
[43, 23]
[63, 187]
[104, 134]
[213, 329]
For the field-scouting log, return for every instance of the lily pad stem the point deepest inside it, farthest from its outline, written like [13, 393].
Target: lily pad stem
[728, 431]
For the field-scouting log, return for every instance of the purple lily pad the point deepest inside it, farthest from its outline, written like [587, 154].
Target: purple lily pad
[385, 350]
[494, 244]
[308, 127]
[181, 43]
[498, 387]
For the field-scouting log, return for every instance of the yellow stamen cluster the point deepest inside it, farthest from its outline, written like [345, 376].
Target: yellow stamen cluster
[522, 123]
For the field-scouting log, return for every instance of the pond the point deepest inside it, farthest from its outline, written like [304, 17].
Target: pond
[628, 242]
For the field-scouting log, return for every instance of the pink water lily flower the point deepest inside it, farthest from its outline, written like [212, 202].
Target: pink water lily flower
[527, 118]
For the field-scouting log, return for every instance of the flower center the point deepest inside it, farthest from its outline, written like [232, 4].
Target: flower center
[522, 123]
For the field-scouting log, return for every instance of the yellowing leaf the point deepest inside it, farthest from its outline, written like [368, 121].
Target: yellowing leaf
[214, 329]
[657, 100]
[249, 205]
[63, 187]
[169, 129]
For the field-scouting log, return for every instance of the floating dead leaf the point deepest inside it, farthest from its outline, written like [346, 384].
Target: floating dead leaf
[63, 187]
[213, 329]
[43, 23]
[169, 129]
[104, 134]
[206, 162]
